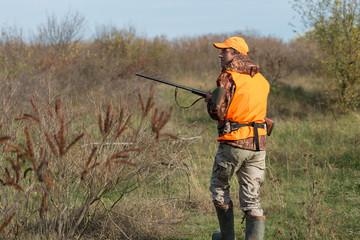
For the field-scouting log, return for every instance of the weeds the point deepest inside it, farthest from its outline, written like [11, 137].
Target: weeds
[317, 215]
[46, 171]
[80, 168]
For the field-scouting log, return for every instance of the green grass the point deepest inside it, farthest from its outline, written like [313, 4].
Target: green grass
[305, 135]
[312, 186]
[296, 145]
[312, 182]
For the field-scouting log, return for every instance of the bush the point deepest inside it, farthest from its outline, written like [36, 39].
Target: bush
[335, 28]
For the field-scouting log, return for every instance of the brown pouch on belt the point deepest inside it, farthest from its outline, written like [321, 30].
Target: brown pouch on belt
[269, 125]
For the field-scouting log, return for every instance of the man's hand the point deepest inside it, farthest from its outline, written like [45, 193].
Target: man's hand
[208, 97]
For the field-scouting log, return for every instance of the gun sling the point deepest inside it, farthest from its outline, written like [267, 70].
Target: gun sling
[230, 126]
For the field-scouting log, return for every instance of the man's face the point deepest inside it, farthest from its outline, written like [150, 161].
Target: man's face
[226, 56]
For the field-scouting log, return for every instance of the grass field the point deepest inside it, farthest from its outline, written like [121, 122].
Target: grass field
[89, 151]
[311, 178]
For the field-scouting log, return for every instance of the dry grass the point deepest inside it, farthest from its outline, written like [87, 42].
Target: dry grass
[94, 154]
[58, 172]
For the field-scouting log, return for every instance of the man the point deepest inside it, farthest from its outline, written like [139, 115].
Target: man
[239, 105]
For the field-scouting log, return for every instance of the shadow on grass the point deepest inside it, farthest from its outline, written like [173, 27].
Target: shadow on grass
[285, 101]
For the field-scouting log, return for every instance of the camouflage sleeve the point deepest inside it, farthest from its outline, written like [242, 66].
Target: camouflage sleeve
[219, 111]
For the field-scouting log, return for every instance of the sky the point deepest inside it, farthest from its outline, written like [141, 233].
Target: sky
[170, 18]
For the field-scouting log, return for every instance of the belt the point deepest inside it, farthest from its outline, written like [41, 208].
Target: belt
[230, 126]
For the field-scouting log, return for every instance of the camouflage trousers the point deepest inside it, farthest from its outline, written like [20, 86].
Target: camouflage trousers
[249, 167]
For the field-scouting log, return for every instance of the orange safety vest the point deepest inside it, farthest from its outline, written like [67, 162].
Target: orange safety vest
[247, 105]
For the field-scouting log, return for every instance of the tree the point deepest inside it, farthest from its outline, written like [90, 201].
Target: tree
[334, 26]
[61, 33]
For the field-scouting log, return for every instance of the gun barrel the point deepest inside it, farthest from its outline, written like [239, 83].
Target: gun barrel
[195, 91]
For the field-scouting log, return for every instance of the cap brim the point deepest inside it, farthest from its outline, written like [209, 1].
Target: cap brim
[220, 45]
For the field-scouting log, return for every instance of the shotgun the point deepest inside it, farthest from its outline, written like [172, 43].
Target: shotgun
[194, 91]
[269, 122]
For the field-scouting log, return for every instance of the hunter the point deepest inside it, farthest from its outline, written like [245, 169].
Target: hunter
[239, 105]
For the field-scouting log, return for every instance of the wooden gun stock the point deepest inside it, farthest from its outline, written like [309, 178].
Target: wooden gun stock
[269, 125]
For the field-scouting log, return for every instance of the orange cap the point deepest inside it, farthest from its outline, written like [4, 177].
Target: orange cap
[236, 43]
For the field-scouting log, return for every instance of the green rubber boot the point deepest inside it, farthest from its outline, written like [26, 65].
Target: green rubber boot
[226, 222]
[255, 228]
[216, 235]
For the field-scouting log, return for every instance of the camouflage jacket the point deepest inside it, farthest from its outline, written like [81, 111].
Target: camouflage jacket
[241, 64]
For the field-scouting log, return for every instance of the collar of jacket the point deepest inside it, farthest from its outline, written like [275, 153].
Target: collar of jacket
[242, 64]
